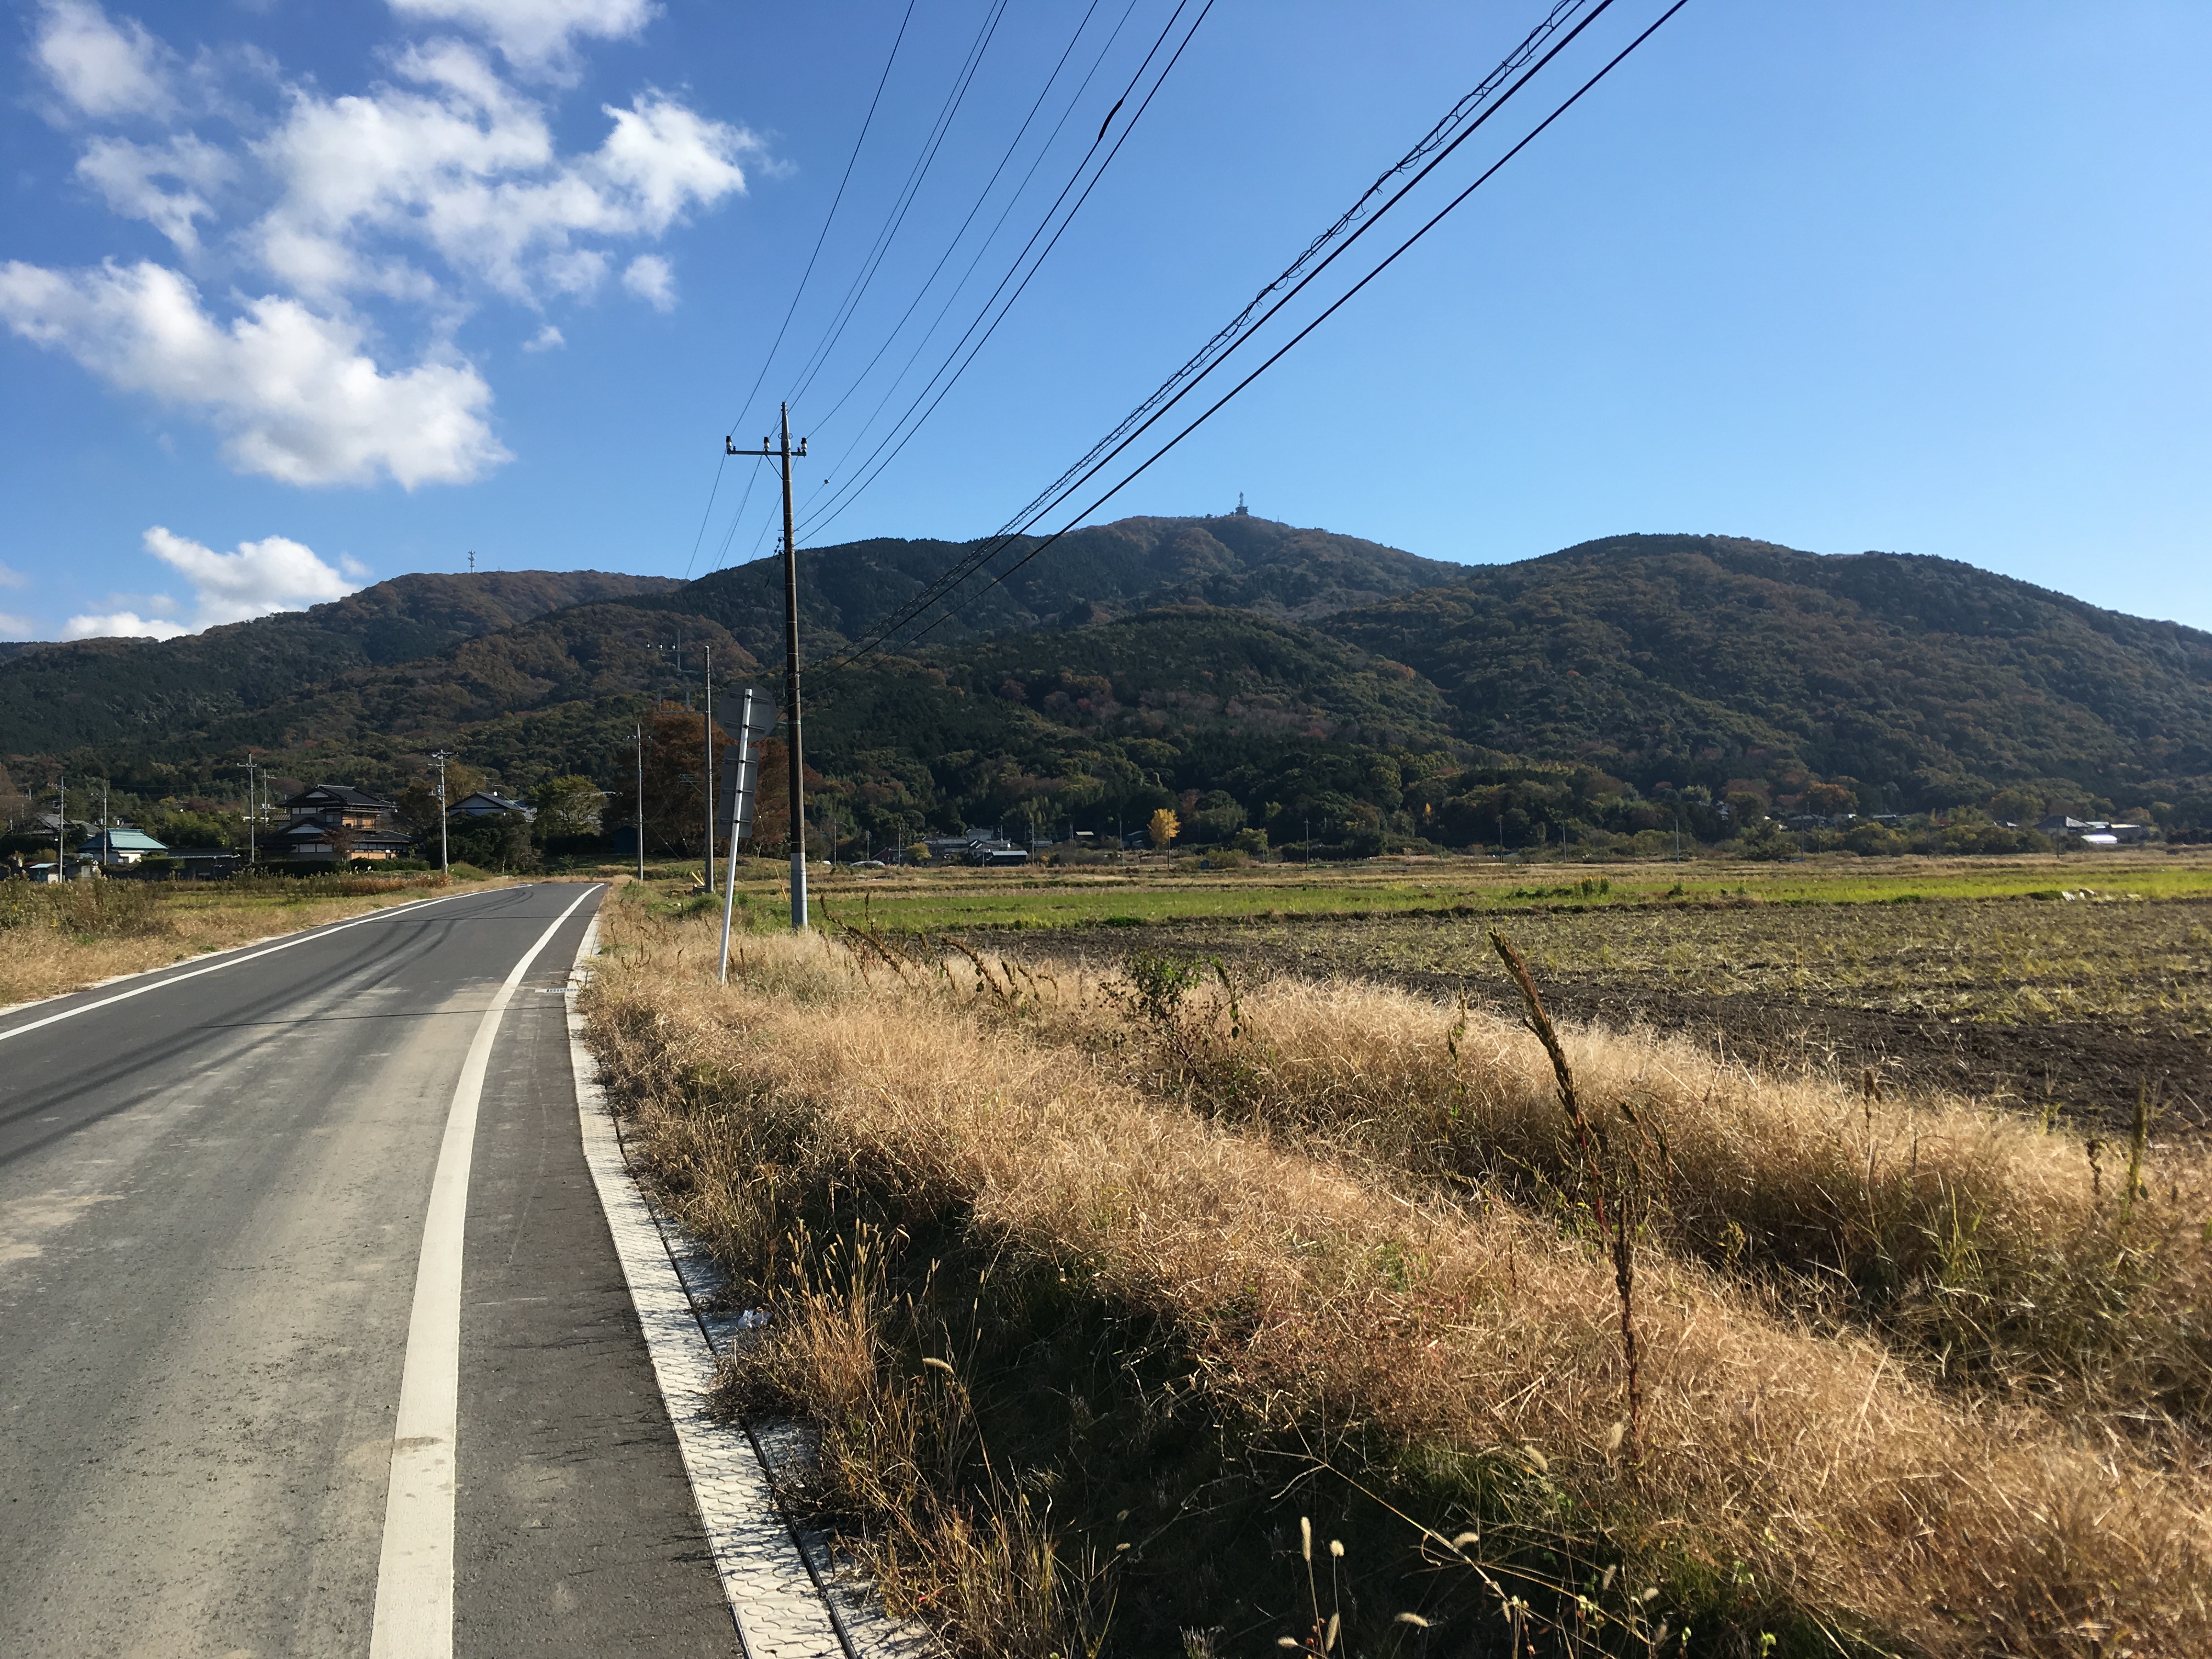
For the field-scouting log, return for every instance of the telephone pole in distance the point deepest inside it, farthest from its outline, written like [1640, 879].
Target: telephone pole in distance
[445, 863]
[782, 455]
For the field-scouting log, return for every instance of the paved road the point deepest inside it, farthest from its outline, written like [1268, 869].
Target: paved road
[213, 1202]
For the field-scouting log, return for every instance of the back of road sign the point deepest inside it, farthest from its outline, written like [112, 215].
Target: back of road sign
[741, 765]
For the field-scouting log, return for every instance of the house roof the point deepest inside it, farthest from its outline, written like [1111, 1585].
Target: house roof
[123, 839]
[314, 835]
[338, 794]
[491, 801]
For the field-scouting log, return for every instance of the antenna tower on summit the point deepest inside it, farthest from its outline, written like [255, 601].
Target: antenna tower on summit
[1242, 512]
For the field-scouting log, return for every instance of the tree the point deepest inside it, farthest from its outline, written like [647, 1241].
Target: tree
[1833, 799]
[1164, 827]
[566, 806]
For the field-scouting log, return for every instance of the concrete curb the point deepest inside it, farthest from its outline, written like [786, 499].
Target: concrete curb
[787, 1595]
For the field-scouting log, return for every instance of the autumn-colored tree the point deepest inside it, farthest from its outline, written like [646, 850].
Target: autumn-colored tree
[1834, 798]
[675, 782]
[1164, 827]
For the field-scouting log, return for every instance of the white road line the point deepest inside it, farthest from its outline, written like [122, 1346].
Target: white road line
[415, 1577]
[232, 961]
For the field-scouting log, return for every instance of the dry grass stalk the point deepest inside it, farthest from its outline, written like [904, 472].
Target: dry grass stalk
[1308, 1294]
[1986, 1242]
[1624, 1261]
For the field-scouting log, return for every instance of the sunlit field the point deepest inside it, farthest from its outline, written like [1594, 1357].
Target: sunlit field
[1231, 1267]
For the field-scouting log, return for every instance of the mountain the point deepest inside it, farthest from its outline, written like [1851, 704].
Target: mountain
[158, 695]
[1251, 672]
[1233, 561]
[1699, 658]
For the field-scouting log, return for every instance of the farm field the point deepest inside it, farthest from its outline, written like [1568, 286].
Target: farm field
[1152, 890]
[2060, 985]
[1138, 1307]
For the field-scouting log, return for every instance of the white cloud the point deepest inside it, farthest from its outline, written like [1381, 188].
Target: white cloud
[100, 69]
[394, 209]
[122, 625]
[651, 280]
[10, 577]
[15, 627]
[128, 175]
[537, 35]
[459, 161]
[301, 400]
[274, 574]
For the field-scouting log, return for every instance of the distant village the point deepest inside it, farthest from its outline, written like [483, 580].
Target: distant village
[328, 827]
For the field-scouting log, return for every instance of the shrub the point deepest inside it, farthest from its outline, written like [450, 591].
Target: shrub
[1875, 840]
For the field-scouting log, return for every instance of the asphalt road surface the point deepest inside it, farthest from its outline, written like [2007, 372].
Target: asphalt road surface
[214, 1199]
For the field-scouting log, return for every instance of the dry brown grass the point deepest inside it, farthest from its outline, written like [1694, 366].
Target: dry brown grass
[1319, 1302]
[62, 938]
[2007, 1253]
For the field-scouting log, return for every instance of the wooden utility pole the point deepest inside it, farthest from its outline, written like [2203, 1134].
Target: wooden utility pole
[782, 454]
[252, 839]
[445, 807]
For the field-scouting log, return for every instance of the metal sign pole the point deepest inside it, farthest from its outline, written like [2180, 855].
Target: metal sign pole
[739, 816]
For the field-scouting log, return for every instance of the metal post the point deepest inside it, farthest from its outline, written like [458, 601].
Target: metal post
[641, 803]
[61, 827]
[737, 805]
[708, 652]
[252, 818]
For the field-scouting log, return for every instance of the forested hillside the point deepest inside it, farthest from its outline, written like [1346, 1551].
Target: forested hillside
[1256, 675]
[163, 697]
[1694, 659]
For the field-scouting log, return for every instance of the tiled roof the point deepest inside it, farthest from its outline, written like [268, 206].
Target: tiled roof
[339, 795]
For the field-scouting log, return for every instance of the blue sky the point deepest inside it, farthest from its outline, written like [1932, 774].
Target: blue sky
[299, 293]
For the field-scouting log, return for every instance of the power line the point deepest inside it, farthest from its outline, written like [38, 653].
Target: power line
[1388, 261]
[981, 197]
[872, 467]
[984, 247]
[790, 311]
[904, 202]
[868, 121]
[1483, 98]
[1486, 96]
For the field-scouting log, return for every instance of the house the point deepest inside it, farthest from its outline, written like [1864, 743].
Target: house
[975, 847]
[120, 844]
[330, 821]
[487, 804]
